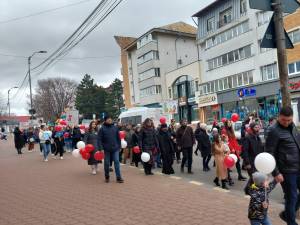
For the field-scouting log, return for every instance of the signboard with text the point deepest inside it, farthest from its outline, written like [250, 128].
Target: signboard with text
[207, 100]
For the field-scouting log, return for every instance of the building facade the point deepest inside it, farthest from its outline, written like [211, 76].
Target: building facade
[237, 74]
[151, 57]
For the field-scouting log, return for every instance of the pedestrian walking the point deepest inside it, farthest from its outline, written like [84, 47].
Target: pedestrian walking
[19, 140]
[149, 144]
[234, 146]
[172, 131]
[259, 199]
[59, 145]
[30, 139]
[127, 152]
[45, 140]
[109, 141]
[252, 146]
[91, 137]
[68, 139]
[136, 157]
[166, 149]
[203, 144]
[219, 151]
[283, 142]
[185, 141]
[76, 135]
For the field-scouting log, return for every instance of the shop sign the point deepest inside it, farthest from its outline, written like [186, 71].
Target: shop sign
[294, 85]
[182, 101]
[246, 92]
[170, 107]
[207, 100]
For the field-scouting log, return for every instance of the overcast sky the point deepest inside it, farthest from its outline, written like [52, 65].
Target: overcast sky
[49, 30]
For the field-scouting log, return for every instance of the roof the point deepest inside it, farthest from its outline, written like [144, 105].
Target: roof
[208, 7]
[181, 28]
[124, 41]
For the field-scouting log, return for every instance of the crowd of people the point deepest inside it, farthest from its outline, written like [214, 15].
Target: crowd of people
[176, 143]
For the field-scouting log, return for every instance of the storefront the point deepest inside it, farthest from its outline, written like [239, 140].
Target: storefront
[209, 109]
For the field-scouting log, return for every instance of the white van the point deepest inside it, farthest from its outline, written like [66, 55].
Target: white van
[137, 115]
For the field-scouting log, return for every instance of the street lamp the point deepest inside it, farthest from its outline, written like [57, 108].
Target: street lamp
[8, 103]
[31, 111]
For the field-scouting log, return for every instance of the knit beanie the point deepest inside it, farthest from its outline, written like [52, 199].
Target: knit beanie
[259, 178]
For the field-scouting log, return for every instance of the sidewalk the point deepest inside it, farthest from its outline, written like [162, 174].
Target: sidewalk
[63, 192]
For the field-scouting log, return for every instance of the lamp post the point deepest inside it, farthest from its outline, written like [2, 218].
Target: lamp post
[8, 102]
[31, 111]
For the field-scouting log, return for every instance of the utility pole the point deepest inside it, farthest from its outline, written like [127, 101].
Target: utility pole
[8, 102]
[281, 52]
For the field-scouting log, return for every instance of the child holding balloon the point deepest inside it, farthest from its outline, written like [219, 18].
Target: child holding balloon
[259, 199]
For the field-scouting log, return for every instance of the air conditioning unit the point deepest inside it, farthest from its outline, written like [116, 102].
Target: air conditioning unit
[179, 61]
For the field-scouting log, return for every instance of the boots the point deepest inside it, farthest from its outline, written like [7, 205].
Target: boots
[216, 181]
[224, 186]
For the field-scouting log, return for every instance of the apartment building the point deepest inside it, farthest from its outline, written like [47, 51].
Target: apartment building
[150, 57]
[237, 74]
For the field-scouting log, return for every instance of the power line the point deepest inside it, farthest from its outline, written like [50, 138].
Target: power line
[43, 12]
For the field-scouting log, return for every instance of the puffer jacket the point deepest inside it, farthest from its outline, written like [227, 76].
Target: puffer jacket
[108, 138]
[252, 146]
[284, 144]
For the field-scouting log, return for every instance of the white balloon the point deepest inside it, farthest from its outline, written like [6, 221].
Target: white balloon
[80, 144]
[123, 143]
[265, 163]
[145, 157]
[76, 153]
[234, 157]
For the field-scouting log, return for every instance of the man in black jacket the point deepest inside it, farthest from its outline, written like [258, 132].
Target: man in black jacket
[109, 141]
[185, 141]
[284, 144]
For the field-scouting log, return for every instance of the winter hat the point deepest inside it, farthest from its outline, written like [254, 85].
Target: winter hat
[107, 117]
[259, 178]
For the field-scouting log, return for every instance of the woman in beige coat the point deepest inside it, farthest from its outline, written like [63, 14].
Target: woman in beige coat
[219, 151]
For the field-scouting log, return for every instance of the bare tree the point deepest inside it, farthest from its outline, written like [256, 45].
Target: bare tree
[52, 96]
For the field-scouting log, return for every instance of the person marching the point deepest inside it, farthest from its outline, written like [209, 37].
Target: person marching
[166, 148]
[136, 157]
[30, 139]
[204, 144]
[172, 131]
[19, 140]
[59, 145]
[45, 139]
[185, 141]
[91, 137]
[109, 141]
[149, 144]
[219, 151]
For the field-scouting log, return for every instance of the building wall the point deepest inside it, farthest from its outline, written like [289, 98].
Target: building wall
[291, 22]
[133, 77]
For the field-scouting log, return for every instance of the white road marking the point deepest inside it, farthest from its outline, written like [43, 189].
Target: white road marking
[221, 190]
[175, 177]
[196, 183]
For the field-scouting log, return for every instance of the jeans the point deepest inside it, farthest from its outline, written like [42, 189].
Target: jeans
[290, 188]
[115, 158]
[187, 156]
[68, 144]
[46, 149]
[264, 221]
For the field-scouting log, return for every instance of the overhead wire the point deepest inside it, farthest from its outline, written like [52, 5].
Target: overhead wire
[71, 46]
[42, 12]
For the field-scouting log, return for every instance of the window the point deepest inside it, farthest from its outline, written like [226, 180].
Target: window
[229, 82]
[149, 74]
[230, 57]
[250, 75]
[216, 86]
[294, 68]
[243, 7]
[269, 72]
[153, 90]
[225, 83]
[295, 36]
[221, 88]
[197, 85]
[210, 24]
[240, 79]
[225, 17]
[263, 17]
[263, 50]
[246, 78]
[234, 81]
[145, 40]
[147, 57]
[170, 93]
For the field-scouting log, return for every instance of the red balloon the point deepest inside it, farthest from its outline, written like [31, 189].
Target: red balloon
[89, 148]
[99, 155]
[66, 135]
[58, 128]
[223, 120]
[229, 162]
[235, 117]
[136, 149]
[63, 122]
[86, 155]
[122, 134]
[82, 127]
[163, 120]
[82, 151]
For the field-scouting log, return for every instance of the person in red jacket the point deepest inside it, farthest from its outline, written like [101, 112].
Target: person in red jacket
[234, 147]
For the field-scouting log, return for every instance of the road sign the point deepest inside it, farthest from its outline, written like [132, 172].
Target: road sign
[269, 40]
[289, 6]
